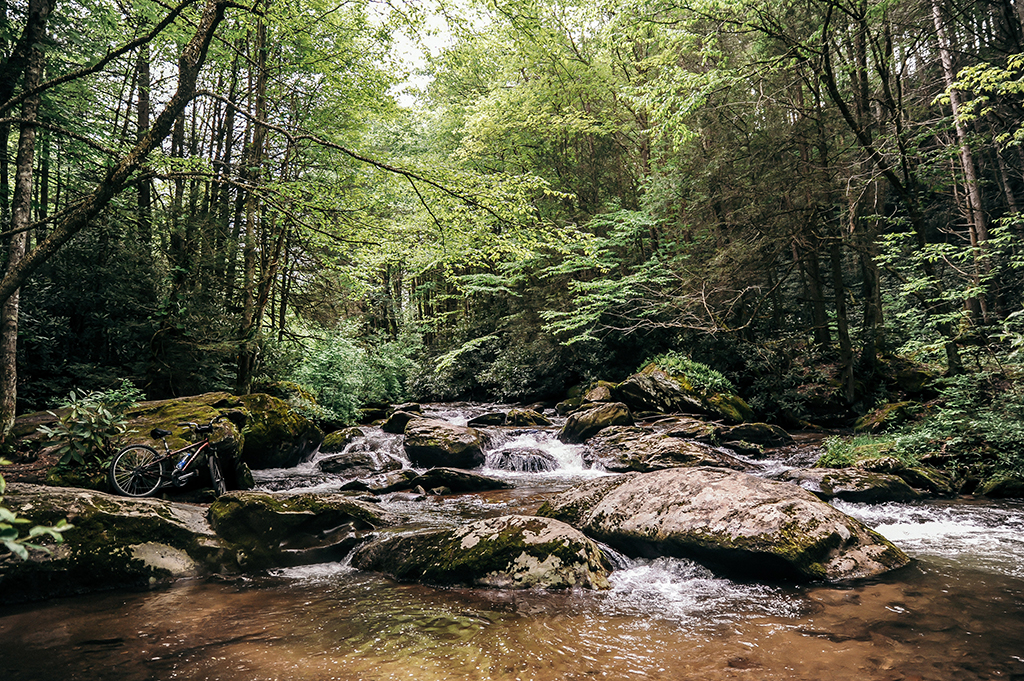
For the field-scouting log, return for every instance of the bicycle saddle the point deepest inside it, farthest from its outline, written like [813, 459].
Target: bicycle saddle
[159, 432]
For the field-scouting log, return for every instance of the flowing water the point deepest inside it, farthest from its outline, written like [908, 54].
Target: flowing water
[956, 613]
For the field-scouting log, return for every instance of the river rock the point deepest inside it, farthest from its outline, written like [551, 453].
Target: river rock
[508, 552]
[430, 443]
[730, 521]
[689, 428]
[586, 423]
[758, 433]
[602, 391]
[629, 448]
[655, 390]
[409, 407]
[458, 480]
[494, 418]
[522, 460]
[276, 436]
[336, 441]
[851, 484]
[116, 542]
[526, 417]
[272, 530]
[358, 464]
[397, 422]
[919, 477]
[1003, 487]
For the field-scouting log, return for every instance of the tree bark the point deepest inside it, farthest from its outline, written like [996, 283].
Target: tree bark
[21, 218]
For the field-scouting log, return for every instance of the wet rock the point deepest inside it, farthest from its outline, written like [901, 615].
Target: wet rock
[509, 552]
[409, 408]
[496, 418]
[458, 480]
[758, 433]
[272, 530]
[689, 428]
[1002, 487]
[586, 423]
[276, 436]
[397, 422]
[392, 482]
[337, 440]
[522, 460]
[526, 417]
[851, 484]
[734, 522]
[358, 464]
[429, 443]
[629, 448]
[601, 392]
[116, 543]
[919, 477]
[569, 405]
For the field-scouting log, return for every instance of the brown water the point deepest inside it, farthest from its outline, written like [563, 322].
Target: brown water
[956, 614]
[318, 625]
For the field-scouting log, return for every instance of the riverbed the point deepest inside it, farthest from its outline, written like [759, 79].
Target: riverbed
[956, 613]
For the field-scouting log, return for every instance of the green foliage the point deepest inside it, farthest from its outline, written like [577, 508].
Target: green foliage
[93, 425]
[701, 376]
[842, 452]
[11, 525]
[345, 374]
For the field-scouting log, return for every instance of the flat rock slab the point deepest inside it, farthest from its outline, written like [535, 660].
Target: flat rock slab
[629, 448]
[508, 552]
[731, 521]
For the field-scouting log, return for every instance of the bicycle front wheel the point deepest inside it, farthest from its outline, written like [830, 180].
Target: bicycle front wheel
[216, 477]
[137, 471]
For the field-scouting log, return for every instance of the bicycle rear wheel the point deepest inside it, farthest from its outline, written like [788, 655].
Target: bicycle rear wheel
[137, 471]
[216, 476]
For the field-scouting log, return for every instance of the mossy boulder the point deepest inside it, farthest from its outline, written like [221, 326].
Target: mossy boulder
[886, 417]
[508, 552]
[1002, 487]
[116, 543]
[338, 440]
[931, 480]
[494, 418]
[526, 418]
[276, 436]
[358, 463]
[397, 422]
[656, 390]
[266, 530]
[730, 521]
[586, 423]
[765, 434]
[629, 448]
[689, 428]
[430, 443]
[851, 484]
[569, 405]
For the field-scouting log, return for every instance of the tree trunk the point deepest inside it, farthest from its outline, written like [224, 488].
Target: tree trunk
[21, 220]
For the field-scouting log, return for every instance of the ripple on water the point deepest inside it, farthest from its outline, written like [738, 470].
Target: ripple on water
[986, 536]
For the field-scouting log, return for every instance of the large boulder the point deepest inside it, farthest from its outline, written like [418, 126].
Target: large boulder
[268, 530]
[356, 463]
[655, 389]
[430, 443]
[458, 481]
[510, 552]
[276, 436]
[526, 417]
[629, 448]
[586, 423]
[851, 484]
[397, 422]
[116, 542]
[759, 433]
[730, 521]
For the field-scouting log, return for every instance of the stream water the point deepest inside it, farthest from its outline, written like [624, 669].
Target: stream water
[956, 613]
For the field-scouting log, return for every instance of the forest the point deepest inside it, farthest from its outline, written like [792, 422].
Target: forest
[820, 200]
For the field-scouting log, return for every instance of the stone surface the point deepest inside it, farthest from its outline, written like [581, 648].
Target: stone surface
[495, 418]
[851, 484]
[358, 464]
[458, 480]
[586, 423]
[397, 422]
[337, 440]
[629, 448]
[525, 418]
[276, 436]
[758, 433]
[268, 530]
[730, 521]
[509, 552]
[656, 390]
[430, 443]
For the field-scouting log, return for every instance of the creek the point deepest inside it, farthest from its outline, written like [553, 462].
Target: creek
[956, 613]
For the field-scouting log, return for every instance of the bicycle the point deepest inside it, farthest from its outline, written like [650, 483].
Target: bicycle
[140, 471]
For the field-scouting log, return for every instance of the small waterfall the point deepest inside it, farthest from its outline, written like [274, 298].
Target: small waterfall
[532, 451]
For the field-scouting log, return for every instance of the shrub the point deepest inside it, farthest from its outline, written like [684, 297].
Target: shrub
[93, 425]
[701, 376]
[10, 532]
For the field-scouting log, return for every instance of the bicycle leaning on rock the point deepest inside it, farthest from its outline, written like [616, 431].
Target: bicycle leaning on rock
[140, 471]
